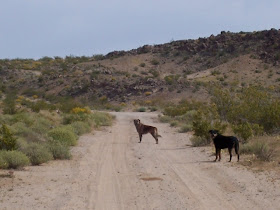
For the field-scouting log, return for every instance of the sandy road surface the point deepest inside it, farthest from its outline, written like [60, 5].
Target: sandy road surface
[110, 170]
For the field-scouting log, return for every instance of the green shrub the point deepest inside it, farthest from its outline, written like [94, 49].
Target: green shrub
[27, 118]
[70, 118]
[37, 153]
[7, 140]
[5, 119]
[14, 159]
[165, 118]
[80, 127]
[243, 130]
[254, 105]
[141, 109]
[59, 150]
[198, 141]
[201, 128]
[63, 135]
[101, 118]
[20, 129]
[174, 123]
[3, 163]
[41, 125]
[153, 109]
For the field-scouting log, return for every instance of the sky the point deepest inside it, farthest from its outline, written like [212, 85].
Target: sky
[38, 28]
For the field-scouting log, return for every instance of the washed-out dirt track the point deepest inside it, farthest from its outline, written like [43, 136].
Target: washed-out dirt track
[110, 170]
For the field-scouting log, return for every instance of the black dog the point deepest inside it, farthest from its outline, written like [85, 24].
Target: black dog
[222, 142]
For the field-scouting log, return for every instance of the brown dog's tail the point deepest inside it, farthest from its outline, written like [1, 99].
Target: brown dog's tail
[157, 133]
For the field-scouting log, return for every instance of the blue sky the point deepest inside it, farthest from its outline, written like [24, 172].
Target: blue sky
[37, 28]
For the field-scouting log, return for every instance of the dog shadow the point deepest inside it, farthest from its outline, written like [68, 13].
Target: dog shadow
[206, 161]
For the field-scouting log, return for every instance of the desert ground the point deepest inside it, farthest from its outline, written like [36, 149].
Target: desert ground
[111, 170]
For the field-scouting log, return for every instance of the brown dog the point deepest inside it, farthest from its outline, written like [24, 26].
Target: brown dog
[144, 129]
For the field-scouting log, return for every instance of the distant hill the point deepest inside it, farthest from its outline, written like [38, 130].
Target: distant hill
[184, 68]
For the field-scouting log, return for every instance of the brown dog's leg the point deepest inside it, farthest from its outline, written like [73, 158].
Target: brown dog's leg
[155, 137]
[219, 154]
[140, 138]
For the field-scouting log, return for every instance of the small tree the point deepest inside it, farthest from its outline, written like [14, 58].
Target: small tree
[7, 140]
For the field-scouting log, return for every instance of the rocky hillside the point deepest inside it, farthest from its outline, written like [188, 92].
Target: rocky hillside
[177, 69]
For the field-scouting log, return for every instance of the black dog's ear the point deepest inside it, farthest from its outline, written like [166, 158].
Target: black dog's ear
[211, 131]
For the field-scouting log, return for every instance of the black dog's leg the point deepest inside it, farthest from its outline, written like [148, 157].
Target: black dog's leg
[230, 153]
[140, 137]
[237, 151]
[219, 154]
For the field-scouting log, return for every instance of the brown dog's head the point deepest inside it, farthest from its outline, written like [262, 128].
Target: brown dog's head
[213, 133]
[136, 122]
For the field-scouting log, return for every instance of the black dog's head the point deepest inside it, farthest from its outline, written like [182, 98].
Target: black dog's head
[213, 133]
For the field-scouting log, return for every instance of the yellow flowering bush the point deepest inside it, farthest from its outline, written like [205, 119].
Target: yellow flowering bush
[79, 110]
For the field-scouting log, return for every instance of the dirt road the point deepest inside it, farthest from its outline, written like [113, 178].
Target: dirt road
[110, 170]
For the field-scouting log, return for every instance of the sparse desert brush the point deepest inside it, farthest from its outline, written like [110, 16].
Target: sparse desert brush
[134, 103]
[198, 141]
[142, 64]
[155, 62]
[81, 127]
[63, 135]
[34, 96]
[42, 125]
[3, 163]
[153, 109]
[165, 118]
[9, 104]
[259, 148]
[52, 116]
[174, 123]
[13, 159]
[37, 153]
[148, 93]
[20, 129]
[148, 102]
[186, 128]
[59, 150]
[215, 72]
[102, 119]
[123, 104]
[103, 99]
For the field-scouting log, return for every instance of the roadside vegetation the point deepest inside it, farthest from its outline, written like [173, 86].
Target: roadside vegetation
[34, 131]
[251, 113]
